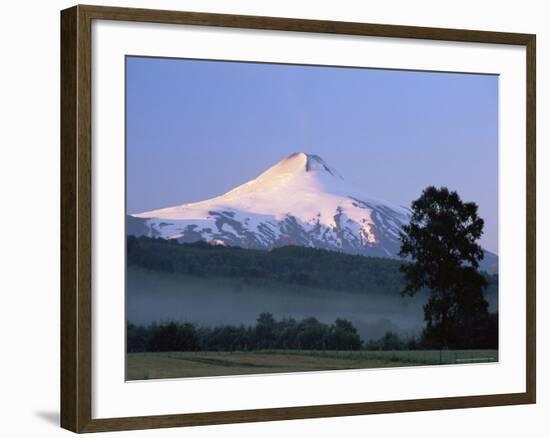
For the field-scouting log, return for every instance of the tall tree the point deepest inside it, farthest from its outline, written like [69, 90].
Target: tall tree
[441, 244]
[265, 330]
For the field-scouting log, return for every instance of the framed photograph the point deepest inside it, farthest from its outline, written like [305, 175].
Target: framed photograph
[325, 218]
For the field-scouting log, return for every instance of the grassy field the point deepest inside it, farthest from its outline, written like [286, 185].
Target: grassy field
[143, 366]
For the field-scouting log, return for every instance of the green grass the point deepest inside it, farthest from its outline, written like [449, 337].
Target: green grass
[426, 357]
[143, 366]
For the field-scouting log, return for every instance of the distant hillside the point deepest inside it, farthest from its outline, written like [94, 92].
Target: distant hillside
[295, 265]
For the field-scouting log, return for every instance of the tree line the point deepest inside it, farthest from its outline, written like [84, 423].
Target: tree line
[286, 334]
[293, 265]
[483, 335]
[289, 264]
[266, 333]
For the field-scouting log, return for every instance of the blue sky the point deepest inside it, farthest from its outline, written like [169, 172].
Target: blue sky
[196, 129]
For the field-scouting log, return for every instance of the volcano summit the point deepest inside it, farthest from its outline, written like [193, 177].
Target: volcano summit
[301, 200]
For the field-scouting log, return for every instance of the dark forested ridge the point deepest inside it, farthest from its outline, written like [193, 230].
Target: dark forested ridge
[290, 264]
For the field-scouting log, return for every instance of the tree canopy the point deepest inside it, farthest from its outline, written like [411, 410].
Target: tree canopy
[268, 333]
[440, 243]
[309, 267]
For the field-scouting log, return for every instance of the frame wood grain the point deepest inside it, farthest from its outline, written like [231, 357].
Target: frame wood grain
[76, 238]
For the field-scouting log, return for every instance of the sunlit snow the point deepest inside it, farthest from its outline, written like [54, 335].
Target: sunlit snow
[301, 200]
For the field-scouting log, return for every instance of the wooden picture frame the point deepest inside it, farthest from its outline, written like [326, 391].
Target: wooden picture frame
[76, 217]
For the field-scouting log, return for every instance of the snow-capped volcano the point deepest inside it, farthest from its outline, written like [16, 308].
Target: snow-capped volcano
[301, 200]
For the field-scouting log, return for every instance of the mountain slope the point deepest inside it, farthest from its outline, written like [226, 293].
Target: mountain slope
[301, 201]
